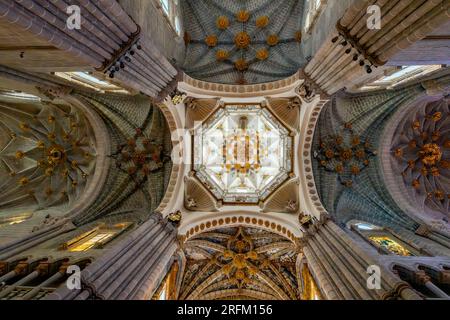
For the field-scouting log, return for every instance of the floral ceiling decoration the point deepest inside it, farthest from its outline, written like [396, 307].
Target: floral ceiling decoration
[242, 42]
[421, 152]
[140, 156]
[240, 262]
[47, 154]
[345, 153]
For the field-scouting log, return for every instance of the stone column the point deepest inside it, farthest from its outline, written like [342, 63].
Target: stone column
[131, 269]
[340, 266]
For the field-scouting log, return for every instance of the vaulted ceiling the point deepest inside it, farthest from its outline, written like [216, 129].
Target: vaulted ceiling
[243, 42]
[240, 263]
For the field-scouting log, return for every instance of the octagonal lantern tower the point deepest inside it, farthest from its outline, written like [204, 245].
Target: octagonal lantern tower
[242, 153]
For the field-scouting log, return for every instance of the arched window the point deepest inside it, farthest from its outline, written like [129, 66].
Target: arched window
[16, 219]
[313, 10]
[95, 238]
[171, 12]
[384, 240]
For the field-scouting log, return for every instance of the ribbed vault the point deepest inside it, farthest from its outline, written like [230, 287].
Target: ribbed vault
[240, 263]
[247, 41]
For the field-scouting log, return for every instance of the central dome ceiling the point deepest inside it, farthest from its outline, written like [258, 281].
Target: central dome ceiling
[242, 153]
[242, 42]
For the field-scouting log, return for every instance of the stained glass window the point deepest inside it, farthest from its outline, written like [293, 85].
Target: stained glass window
[390, 245]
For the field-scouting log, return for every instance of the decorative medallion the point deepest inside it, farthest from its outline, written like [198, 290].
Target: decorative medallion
[242, 16]
[262, 54]
[222, 55]
[211, 40]
[223, 23]
[241, 65]
[272, 40]
[262, 22]
[242, 40]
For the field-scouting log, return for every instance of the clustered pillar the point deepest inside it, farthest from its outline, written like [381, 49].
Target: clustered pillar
[340, 266]
[130, 270]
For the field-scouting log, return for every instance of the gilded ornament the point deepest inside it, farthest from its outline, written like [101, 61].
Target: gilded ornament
[430, 154]
[222, 22]
[415, 183]
[24, 126]
[435, 172]
[346, 154]
[355, 170]
[20, 155]
[329, 153]
[211, 40]
[445, 164]
[24, 181]
[241, 65]
[51, 136]
[436, 116]
[222, 55]
[262, 54]
[272, 40]
[356, 141]
[242, 40]
[298, 36]
[243, 16]
[262, 22]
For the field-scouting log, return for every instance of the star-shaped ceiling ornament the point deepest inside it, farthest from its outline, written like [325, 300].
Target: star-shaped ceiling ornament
[241, 40]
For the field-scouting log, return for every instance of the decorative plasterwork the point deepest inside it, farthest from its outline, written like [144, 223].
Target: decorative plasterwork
[197, 197]
[198, 110]
[311, 202]
[47, 152]
[284, 199]
[287, 110]
[242, 153]
[240, 260]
